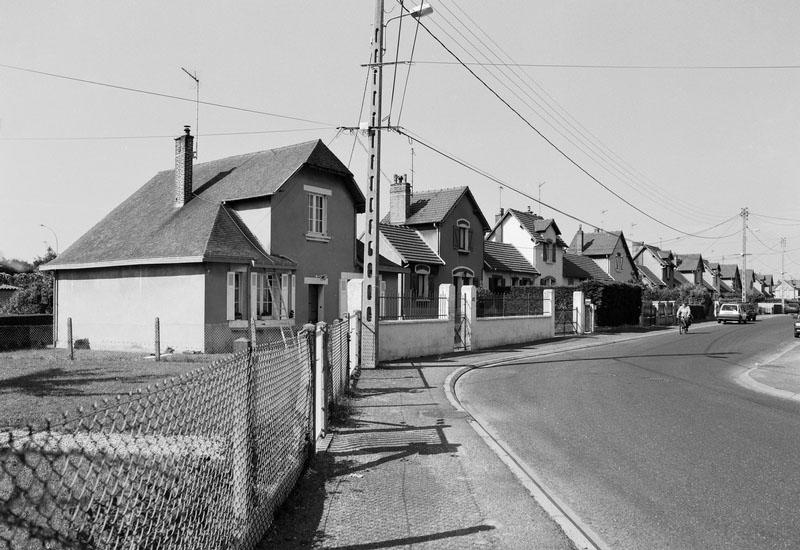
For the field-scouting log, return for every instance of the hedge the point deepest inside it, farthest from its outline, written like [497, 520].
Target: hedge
[617, 303]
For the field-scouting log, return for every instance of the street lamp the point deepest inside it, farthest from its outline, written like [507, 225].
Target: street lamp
[54, 234]
[416, 12]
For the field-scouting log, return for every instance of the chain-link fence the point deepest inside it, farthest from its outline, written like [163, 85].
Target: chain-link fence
[338, 350]
[200, 461]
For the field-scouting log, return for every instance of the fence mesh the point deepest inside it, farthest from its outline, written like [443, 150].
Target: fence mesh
[412, 307]
[508, 305]
[338, 351]
[200, 461]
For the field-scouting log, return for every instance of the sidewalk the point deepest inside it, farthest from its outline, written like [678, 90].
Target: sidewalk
[408, 469]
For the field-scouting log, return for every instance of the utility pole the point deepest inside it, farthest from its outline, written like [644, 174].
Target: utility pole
[783, 253]
[369, 297]
[744, 213]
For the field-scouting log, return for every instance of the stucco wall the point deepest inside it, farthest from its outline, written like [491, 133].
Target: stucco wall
[115, 308]
[403, 339]
[488, 332]
[289, 225]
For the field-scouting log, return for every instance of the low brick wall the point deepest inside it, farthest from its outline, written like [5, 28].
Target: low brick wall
[415, 338]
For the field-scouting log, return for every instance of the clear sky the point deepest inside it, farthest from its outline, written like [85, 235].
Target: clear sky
[684, 137]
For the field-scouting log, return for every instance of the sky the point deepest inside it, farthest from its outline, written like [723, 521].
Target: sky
[662, 119]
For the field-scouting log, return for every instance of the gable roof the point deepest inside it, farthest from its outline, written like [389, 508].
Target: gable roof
[535, 225]
[582, 267]
[433, 206]
[408, 243]
[729, 271]
[681, 279]
[596, 243]
[146, 228]
[650, 276]
[664, 257]
[506, 257]
[688, 262]
[724, 287]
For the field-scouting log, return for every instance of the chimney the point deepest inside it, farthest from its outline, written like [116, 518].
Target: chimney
[399, 200]
[184, 156]
[497, 218]
[579, 238]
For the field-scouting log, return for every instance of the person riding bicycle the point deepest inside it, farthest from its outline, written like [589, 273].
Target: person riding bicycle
[684, 317]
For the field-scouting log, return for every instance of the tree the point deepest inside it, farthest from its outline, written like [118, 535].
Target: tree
[35, 294]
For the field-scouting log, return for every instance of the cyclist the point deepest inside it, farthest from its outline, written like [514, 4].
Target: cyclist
[684, 317]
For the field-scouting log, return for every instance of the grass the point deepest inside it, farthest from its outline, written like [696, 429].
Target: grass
[39, 384]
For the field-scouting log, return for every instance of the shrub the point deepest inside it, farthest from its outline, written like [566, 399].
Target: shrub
[617, 303]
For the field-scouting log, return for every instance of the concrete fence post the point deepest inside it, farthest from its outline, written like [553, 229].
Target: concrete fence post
[308, 333]
[578, 312]
[355, 345]
[242, 463]
[321, 381]
[158, 339]
[69, 339]
[549, 308]
[470, 304]
[345, 353]
[447, 302]
[252, 328]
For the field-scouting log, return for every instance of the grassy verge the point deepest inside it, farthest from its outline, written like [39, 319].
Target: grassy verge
[39, 384]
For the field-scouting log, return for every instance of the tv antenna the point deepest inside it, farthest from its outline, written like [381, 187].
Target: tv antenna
[197, 110]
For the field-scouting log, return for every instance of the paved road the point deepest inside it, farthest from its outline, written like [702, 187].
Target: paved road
[652, 442]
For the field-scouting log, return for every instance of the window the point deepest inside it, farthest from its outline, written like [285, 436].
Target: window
[549, 252]
[462, 236]
[264, 294]
[234, 300]
[548, 281]
[317, 215]
[421, 280]
[618, 261]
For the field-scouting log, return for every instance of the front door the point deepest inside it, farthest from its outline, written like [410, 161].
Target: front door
[316, 303]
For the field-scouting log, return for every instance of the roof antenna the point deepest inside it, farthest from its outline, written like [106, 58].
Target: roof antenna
[197, 110]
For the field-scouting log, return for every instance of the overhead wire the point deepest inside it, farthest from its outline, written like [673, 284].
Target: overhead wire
[631, 67]
[396, 57]
[161, 94]
[599, 153]
[164, 136]
[408, 72]
[552, 144]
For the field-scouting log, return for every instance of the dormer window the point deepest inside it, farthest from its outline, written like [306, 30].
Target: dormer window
[462, 236]
[618, 262]
[549, 251]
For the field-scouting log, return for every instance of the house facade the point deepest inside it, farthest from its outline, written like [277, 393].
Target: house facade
[579, 268]
[436, 235]
[609, 250]
[690, 267]
[656, 266]
[505, 267]
[730, 278]
[537, 239]
[207, 247]
[787, 290]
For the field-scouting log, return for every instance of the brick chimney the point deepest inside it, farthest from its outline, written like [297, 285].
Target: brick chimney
[579, 239]
[399, 200]
[497, 218]
[184, 156]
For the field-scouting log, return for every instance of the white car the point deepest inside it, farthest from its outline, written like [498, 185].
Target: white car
[731, 312]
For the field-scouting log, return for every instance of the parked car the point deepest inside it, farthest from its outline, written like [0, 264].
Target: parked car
[796, 325]
[731, 312]
[791, 307]
[751, 310]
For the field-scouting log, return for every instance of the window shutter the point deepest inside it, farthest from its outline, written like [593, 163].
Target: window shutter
[253, 295]
[284, 296]
[230, 315]
[324, 215]
[455, 237]
[471, 231]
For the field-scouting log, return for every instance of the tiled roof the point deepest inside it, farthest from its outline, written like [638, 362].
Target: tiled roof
[650, 276]
[147, 227]
[583, 267]
[688, 262]
[681, 279]
[505, 257]
[729, 271]
[597, 243]
[384, 263]
[535, 224]
[433, 206]
[708, 285]
[409, 244]
[724, 287]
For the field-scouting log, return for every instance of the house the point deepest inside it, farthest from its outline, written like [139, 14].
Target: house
[764, 284]
[787, 290]
[730, 280]
[579, 268]
[656, 266]
[609, 250]
[689, 269]
[711, 277]
[537, 239]
[207, 247]
[505, 267]
[435, 235]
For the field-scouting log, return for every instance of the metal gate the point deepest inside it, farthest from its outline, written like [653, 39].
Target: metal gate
[565, 323]
[460, 337]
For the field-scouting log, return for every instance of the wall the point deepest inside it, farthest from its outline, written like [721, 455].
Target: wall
[443, 245]
[315, 259]
[257, 214]
[626, 274]
[488, 332]
[115, 308]
[415, 338]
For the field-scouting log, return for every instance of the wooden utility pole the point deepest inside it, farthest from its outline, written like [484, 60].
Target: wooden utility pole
[744, 215]
[370, 302]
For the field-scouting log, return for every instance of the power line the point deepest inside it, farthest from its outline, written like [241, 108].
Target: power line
[598, 152]
[550, 142]
[622, 67]
[160, 94]
[165, 136]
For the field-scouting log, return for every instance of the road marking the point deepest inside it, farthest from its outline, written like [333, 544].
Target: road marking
[581, 535]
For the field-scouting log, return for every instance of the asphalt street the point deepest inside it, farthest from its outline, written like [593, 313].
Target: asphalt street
[653, 443]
